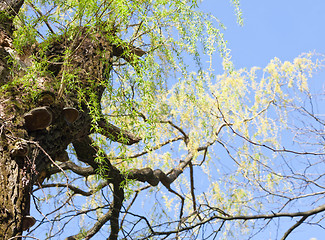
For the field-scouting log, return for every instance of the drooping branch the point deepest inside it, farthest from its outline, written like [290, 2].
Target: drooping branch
[116, 134]
[249, 140]
[41, 16]
[74, 189]
[82, 171]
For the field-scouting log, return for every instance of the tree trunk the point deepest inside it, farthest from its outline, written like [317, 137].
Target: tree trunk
[14, 189]
[34, 134]
[14, 184]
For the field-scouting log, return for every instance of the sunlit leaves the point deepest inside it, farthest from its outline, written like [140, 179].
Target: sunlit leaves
[253, 103]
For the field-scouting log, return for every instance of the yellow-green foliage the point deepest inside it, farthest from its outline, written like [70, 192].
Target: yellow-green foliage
[254, 104]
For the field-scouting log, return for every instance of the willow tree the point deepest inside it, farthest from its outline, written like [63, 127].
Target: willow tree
[113, 124]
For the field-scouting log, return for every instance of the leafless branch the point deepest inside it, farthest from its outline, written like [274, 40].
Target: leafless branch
[73, 188]
[294, 226]
[82, 171]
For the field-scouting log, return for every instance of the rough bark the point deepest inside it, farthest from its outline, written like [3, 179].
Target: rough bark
[15, 181]
[14, 189]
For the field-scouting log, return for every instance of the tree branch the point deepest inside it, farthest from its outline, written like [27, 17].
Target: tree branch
[158, 146]
[116, 134]
[87, 153]
[242, 217]
[314, 211]
[192, 186]
[97, 226]
[112, 215]
[153, 177]
[294, 226]
[82, 171]
[117, 205]
[128, 52]
[71, 187]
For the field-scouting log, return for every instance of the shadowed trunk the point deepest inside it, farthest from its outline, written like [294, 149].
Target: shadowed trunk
[14, 180]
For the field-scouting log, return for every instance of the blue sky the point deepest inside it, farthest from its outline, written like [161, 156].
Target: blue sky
[275, 28]
[272, 28]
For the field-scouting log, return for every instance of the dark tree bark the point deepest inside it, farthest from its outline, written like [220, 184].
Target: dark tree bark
[15, 181]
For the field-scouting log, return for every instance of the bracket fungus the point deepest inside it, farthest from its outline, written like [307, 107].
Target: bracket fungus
[70, 114]
[38, 118]
[28, 222]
